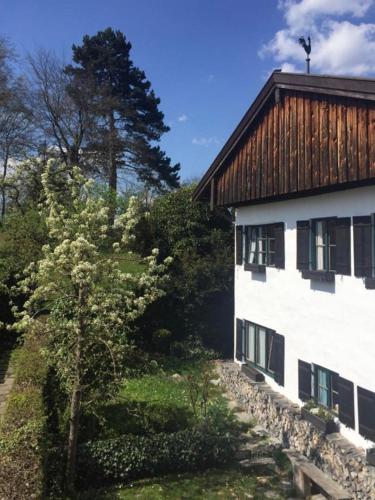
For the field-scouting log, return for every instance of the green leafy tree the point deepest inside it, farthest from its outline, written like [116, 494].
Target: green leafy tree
[128, 119]
[199, 298]
[81, 300]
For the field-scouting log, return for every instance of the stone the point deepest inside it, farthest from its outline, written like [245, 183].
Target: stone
[280, 419]
[176, 377]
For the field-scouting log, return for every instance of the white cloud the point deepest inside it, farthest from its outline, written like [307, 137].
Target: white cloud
[205, 141]
[300, 14]
[338, 46]
[182, 118]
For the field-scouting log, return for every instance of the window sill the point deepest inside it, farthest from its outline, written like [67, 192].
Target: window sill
[328, 276]
[255, 268]
[252, 373]
[370, 283]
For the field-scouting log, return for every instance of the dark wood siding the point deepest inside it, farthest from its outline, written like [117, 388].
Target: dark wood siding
[303, 142]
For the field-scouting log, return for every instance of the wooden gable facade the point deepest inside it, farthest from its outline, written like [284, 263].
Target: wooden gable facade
[304, 134]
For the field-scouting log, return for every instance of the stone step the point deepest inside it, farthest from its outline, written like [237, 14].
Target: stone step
[243, 417]
[262, 464]
[318, 497]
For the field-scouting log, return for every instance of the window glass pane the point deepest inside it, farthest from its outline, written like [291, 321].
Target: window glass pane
[323, 387]
[262, 347]
[250, 353]
[252, 245]
[319, 233]
[320, 250]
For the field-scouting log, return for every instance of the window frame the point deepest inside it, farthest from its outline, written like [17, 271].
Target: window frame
[264, 233]
[268, 344]
[332, 393]
[326, 245]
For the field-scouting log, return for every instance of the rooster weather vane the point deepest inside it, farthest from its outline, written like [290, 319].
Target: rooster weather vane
[307, 48]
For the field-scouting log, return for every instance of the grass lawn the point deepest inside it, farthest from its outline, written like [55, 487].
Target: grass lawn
[155, 402]
[208, 485]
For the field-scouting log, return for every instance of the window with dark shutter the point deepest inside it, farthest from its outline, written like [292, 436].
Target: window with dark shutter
[366, 413]
[343, 246]
[279, 245]
[239, 339]
[239, 245]
[277, 357]
[362, 246]
[346, 402]
[303, 244]
[304, 380]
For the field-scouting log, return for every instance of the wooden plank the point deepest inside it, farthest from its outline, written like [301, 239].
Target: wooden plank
[342, 157]
[264, 130]
[276, 148]
[281, 145]
[323, 141]
[293, 172]
[248, 169]
[307, 140]
[332, 145]
[212, 194]
[244, 171]
[239, 165]
[362, 142]
[253, 165]
[300, 143]
[286, 145]
[315, 142]
[324, 481]
[371, 139]
[259, 162]
[270, 140]
[352, 147]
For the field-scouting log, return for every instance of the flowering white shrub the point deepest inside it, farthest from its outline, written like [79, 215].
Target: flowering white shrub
[79, 297]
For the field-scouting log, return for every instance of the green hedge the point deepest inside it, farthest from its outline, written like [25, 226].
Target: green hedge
[130, 457]
[23, 427]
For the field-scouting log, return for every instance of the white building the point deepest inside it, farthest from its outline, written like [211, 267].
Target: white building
[300, 172]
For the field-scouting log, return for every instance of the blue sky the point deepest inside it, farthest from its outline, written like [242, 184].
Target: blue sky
[206, 59]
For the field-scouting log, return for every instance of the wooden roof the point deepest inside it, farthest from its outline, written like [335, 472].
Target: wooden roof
[254, 165]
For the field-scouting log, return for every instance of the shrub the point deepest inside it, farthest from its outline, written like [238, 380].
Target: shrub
[192, 348]
[23, 428]
[130, 457]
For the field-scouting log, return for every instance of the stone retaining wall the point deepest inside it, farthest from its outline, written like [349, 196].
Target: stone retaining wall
[332, 453]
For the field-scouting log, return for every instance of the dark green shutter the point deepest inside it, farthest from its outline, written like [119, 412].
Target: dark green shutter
[366, 413]
[279, 245]
[277, 358]
[303, 244]
[343, 246]
[346, 402]
[362, 246]
[239, 339]
[239, 245]
[304, 380]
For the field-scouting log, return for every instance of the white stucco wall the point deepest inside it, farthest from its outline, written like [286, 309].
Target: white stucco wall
[332, 325]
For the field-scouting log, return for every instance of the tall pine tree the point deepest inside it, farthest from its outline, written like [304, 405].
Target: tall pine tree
[128, 121]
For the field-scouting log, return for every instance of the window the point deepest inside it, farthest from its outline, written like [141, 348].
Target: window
[323, 248]
[264, 246]
[324, 245]
[328, 389]
[264, 349]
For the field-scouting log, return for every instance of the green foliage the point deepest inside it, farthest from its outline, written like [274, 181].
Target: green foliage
[22, 236]
[23, 437]
[212, 484]
[191, 349]
[131, 457]
[199, 298]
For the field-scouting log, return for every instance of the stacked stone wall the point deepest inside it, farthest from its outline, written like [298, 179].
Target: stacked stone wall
[332, 453]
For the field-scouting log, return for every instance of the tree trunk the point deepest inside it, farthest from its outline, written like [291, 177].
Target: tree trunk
[3, 200]
[75, 402]
[112, 174]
